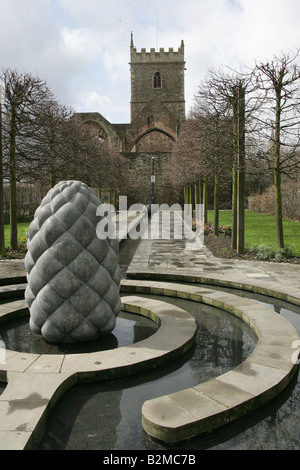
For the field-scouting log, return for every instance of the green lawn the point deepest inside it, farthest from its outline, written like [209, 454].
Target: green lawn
[260, 229]
[22, 233]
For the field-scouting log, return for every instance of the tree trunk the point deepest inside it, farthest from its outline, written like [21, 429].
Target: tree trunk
[197, 196]
[13, 184]
[191, 195]
[114, 200]
[52, 176]
[234, 208]
[241, 213]
[278, 208]
[2, 239]
[200, 193]
[204, 198]
[277, 178]
[216, 205]
[235, 144]
[241, 172]
[197, 200]
[185, 197]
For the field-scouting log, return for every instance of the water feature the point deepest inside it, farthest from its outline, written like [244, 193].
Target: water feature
[108, 415]
[130, 328]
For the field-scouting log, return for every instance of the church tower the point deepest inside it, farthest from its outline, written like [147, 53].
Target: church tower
[157, 109]
[157, 77]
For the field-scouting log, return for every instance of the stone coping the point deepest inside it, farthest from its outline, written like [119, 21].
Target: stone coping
[36, 381]
[268, 288]
[258, 379]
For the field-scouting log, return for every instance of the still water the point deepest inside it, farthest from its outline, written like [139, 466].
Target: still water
[17, 336]
[107, 415]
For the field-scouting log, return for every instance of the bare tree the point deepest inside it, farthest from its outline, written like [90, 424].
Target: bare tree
[234, 94]
[2, 239]
[216, 152]
[187, 164]
[88, 157]
[110, 170]
[25, 96]
[279, 82]
[239, 150]
[50, 149]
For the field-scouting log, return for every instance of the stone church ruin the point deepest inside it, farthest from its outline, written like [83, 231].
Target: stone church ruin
[157, 111]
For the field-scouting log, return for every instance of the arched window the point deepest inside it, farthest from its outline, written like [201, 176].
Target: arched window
[157, 80]
[102, 135]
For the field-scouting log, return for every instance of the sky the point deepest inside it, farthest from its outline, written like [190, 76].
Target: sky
[81, 48]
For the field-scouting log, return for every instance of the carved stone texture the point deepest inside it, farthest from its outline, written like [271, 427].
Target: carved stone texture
[73, 291]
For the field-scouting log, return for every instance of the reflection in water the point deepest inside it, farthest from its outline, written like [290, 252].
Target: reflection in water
[86, 416]
[221, 344]
[130, 328]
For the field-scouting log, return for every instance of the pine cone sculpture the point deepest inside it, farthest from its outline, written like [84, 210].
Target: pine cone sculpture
[73, 275]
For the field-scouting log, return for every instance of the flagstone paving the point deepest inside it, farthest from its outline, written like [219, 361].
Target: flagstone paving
[184, 259]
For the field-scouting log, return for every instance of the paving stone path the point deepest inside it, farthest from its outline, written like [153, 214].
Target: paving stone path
[182, 256]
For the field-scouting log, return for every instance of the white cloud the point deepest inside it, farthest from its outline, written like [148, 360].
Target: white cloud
[93, 101]
[81, 44]
[269, 27]
[82, 48]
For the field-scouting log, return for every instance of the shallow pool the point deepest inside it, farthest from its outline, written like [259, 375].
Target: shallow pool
[108, 415]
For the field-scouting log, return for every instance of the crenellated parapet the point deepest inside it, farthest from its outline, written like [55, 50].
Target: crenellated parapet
[160, 56]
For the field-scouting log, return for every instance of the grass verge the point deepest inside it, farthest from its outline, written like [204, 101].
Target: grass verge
[260, 234]
[260, 229]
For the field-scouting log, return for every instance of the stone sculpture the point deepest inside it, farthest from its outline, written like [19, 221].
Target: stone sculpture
[73, 275]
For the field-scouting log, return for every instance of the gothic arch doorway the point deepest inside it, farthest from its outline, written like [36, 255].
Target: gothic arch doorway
[153, 140]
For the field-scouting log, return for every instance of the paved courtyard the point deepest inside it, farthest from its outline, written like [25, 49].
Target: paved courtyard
[181, 256]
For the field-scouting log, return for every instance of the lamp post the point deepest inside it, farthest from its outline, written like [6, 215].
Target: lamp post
[153, 179]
